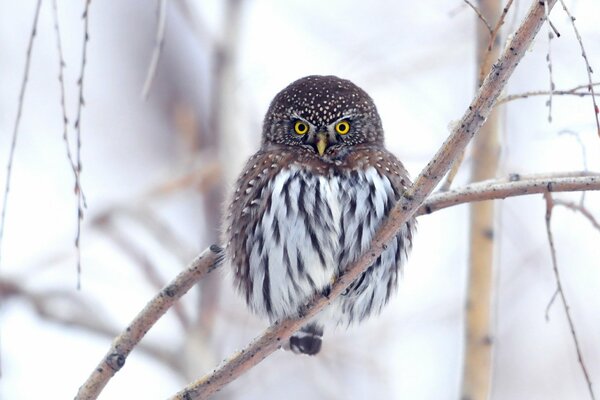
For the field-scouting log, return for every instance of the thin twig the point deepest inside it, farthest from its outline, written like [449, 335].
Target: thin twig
[588, 68]
[480, 16]
[61, 81]
[499, 24]
[549, 62]
[569, 92]
[78, 189]
[115, 358]
[453, 172]
[81, 204]
[158, 45]
[578, 207]
[13, 144]
[561, 293]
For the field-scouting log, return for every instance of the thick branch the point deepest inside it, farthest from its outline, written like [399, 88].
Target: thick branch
[115, 358]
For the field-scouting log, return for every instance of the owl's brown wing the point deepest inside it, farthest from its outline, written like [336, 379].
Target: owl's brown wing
[247, 205]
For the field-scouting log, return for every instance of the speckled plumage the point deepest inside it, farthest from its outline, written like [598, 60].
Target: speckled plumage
[298, 218]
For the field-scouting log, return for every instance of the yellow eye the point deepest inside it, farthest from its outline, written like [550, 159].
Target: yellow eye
[342, 127]
[300, 127]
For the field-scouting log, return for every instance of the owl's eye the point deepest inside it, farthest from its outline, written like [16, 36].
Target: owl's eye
[342, 127]
[300, 127]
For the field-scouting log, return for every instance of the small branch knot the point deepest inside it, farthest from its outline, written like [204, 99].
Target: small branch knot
[115, 361]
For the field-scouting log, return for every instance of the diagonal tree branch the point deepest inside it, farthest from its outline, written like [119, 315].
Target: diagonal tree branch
[115, 358]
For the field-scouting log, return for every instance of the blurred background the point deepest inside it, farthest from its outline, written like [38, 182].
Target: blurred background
[155, 172]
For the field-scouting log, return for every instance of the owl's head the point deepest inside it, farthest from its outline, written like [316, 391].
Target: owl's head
[322, 114]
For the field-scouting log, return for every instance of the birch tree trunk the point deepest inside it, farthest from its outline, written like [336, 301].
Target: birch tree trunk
[485, 155]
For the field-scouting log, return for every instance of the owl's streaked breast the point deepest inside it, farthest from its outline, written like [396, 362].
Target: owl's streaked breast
[309, 227]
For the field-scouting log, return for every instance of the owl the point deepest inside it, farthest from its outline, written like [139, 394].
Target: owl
[307, 205]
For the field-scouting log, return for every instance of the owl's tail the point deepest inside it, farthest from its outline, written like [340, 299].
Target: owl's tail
[307, 340]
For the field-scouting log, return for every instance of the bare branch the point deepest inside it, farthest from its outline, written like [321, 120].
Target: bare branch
[480, 16]
[514, 185]
[588, 68]
[499, 24]
[453, 172]
[80, 199]
[78, 190]
[561, 293]
[61, 81]
[158, 45]
[115, 358]
[13, 143]
[576, 91]
[78, 314]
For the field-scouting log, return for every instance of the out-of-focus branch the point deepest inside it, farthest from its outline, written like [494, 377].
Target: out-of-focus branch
[485, 155]
[561, 293]
[147, 266]
[499, 24]
[115, 358]
[158, 45]
[78, 314]
[480, 15]
[13, 143]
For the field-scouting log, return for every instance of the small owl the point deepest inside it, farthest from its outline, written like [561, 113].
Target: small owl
[308, 203]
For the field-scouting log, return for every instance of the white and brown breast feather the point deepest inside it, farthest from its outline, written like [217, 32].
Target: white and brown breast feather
[296, 222]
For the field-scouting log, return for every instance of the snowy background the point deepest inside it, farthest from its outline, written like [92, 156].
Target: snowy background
[154, 174]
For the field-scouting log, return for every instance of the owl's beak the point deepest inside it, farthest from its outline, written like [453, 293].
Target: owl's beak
[321, 143]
